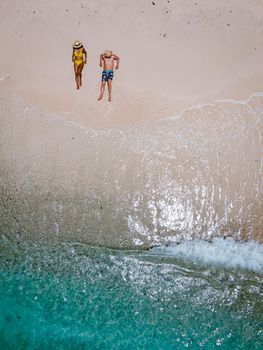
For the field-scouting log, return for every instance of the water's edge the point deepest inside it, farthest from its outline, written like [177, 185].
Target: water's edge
[193, 176]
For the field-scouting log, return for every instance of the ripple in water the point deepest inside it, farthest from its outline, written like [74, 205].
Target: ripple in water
[72, 296]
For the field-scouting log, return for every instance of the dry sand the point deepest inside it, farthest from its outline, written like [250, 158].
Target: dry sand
[174, 54]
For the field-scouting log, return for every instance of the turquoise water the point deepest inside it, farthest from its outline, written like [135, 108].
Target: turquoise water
[71, 296]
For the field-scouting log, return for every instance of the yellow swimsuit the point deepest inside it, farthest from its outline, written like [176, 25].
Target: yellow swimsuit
[78, 56]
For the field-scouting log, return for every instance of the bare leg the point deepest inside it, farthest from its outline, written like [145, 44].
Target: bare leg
[80, 67]
[76, 75]
[77, 80]
[109, 82]
[102, 89]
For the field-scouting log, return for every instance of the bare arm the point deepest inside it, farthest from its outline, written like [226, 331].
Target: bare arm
[101, 60]
[73, 56]
[85, 56]
[116, 58]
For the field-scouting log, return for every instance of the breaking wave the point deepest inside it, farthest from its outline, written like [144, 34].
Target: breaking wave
[221, 252]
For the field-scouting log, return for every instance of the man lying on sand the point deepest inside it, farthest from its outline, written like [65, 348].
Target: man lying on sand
[107, 60]
[79, 57]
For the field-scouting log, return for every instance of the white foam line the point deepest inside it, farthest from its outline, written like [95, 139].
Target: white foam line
[209, 104]
[84, 129]
[175, 117]
[222, 252]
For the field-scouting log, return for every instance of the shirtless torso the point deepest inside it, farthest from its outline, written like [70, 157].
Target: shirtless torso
[107, 62]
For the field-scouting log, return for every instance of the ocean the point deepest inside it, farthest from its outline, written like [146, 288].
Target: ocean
[194, 295]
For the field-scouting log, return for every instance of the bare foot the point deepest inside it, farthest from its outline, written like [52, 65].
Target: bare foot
[100, 98]
[109, 99]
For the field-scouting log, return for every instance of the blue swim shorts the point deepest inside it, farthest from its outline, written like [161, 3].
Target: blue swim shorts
[107, 75]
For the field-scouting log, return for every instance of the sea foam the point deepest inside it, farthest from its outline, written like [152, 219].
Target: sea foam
[221, 252]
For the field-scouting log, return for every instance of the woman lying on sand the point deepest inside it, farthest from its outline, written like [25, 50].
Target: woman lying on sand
[79, 57]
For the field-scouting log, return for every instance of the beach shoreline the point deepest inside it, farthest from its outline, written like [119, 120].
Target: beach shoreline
[194, 175]
[176, 155]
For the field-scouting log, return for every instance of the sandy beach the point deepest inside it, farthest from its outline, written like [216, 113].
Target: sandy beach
[177, 154]
[135, 224]
[173, 55]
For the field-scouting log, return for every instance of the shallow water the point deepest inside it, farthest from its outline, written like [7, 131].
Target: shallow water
[73, 296]
[188, 176]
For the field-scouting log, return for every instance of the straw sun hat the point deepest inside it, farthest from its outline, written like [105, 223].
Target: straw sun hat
[77, 44]
[108, 53]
